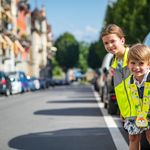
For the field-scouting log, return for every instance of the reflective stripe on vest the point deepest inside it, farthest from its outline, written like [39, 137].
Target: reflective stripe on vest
[121, 75]
[115, 62]
[121, 79]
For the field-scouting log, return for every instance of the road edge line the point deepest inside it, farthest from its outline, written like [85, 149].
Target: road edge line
[117, 137]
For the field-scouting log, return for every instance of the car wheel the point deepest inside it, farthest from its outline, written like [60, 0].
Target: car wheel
[105, 105]
[96, 87]
[7, 92]
[105, 96]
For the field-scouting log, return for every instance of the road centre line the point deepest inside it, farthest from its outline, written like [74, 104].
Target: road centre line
[117, 137]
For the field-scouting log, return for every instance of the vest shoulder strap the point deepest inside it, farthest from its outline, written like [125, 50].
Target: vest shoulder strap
[148, 77]
[131, 80]
[147, 80]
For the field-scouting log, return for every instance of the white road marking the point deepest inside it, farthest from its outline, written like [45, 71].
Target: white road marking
[117, 137]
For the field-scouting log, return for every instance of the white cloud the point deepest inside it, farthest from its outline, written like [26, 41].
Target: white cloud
[88, 34]
[90, 29]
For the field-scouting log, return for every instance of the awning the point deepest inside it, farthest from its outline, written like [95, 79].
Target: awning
[2, 40]
[19, 46]
[8, 13]
[8, 40]
[16, 49]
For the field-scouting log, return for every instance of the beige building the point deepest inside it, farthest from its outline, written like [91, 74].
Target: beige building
[24, 37]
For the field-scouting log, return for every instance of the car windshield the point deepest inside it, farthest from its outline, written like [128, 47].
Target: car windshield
[147, 40]
[13, 77]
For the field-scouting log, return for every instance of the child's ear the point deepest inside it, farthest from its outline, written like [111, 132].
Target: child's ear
[149, 65]
[123, 40]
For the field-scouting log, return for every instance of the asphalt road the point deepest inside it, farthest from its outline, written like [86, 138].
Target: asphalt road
[59, 118]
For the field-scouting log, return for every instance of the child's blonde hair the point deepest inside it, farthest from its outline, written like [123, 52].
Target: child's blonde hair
[112, 29]
[139, 52]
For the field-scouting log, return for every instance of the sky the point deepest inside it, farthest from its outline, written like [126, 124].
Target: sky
[82, 18]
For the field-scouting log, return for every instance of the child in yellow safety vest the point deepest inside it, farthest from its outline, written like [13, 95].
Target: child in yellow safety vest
[113, 39]
[138, 62]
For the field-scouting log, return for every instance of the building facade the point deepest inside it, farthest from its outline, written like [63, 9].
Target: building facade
[24, 37]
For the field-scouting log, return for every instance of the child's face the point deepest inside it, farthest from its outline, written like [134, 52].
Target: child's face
[138, 68]
[113, 44]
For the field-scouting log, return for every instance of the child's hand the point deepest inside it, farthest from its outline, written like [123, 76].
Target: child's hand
[111, 71]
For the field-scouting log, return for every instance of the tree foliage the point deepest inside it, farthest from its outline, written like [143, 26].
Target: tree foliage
[84, 47]
[133, 16]
[95, 55]
[67, 54]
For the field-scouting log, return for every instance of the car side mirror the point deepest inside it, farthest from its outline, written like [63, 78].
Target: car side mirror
[105, 70]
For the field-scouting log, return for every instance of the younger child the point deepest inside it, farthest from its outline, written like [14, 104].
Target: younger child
[114, 42]
[138, 62]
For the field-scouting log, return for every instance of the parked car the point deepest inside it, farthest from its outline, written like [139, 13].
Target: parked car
[78, 75]
[33, 83]
[5, 84]
[95, 80]
[21, 76]
[109, 97]
[43, 83]
[50, 82]
[103, 73]
[106, 85]
[75, 74]
[15, 83]
[36, 82]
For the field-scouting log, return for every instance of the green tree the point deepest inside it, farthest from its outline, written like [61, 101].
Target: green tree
[67, 55]
[96, 54]
[133, 16]
[84, 47]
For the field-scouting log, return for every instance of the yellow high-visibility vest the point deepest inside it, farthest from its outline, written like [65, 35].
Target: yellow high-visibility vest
[142, 105]
[121, 85]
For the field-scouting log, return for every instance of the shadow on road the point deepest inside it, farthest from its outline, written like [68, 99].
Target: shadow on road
[73, 101]
[71, 112]
[67, 139]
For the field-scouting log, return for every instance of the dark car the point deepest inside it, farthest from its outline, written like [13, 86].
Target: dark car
[109, 97]
[5, 84]
[108, 94]
[43, 83]
[101, 79]
[95, 80]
